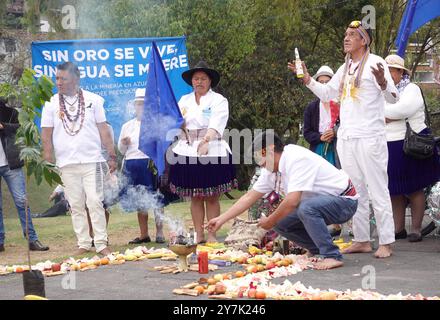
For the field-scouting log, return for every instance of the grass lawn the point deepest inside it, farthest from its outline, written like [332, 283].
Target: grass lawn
[58, 233]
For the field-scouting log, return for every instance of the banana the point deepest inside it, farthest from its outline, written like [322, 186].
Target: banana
[34, 297]
[154, 255]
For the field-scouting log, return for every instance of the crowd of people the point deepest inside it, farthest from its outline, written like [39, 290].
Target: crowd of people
[355, 129]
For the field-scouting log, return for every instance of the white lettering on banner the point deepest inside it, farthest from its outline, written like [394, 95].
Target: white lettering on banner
[126, 70]
[144, 52]
[91, 55]
[143, 69]
[56, 55]
[129, 55]
[169, 49]
[45, 70]
[124, 53]
[118, 54]
[94, 72]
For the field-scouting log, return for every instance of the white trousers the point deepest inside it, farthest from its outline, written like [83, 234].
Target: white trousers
[365, 160]
[84, 186]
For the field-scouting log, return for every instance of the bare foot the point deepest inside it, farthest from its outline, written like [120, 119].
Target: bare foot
[211, 237]
[383, 252]
[80, 252]
[327, 264]
[105, 252]
[358, 247]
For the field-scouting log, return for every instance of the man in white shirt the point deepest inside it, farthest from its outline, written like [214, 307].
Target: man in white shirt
[74, 127]
[316, 195]
[363, 84]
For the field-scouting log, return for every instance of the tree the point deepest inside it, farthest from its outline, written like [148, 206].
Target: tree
[31, 94]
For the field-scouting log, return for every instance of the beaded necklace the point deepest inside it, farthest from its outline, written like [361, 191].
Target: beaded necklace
[69, 121]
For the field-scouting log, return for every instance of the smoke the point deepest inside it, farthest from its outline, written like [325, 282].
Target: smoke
[129, 198]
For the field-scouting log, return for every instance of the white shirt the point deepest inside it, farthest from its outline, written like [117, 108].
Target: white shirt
[362, 112]
[325, 118]
[305, 171]
[85, 147]
[3, 159]
[212, 113]
[410, 106]
[131, 129]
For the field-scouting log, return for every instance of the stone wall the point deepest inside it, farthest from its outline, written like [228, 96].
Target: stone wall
[15, 53]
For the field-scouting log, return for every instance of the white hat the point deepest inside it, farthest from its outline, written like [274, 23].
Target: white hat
[324, 71]
[395, 61]
[140, 94]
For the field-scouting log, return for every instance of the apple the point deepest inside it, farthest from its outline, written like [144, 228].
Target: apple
[251, 293]
[220, 288]
[56, 267]
[270, 265]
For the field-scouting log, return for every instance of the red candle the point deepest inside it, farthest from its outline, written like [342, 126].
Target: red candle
[202, 259]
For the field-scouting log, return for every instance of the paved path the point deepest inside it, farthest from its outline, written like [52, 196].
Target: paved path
[414, 268]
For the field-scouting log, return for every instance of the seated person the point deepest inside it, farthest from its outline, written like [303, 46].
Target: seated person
[60, 207]
[316, 194]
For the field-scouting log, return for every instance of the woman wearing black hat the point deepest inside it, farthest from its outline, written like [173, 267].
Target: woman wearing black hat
[204, 168]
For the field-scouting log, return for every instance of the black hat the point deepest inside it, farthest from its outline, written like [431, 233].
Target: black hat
[202, 66]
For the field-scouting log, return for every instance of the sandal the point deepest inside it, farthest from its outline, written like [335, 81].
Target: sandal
[139, 240]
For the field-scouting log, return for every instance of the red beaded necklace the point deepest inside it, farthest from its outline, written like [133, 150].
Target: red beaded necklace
[67, 118]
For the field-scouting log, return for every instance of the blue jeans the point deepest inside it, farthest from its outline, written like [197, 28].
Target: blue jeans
[15, 181]
[307, 225]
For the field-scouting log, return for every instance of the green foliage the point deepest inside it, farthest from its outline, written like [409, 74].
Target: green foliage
[32, 94]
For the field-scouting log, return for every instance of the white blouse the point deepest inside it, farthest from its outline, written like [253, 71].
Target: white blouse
[212, 113]
[325, 118]
[410, 106]
[131, 129]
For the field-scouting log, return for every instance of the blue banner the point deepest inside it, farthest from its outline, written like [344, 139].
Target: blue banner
[114, 68]
[417, 14]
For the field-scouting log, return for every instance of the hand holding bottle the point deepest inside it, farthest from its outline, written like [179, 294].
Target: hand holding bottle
[307, 78]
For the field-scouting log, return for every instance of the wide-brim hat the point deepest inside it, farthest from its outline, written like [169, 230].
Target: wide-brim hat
[202, 66]
[395, 61]
[324, 71]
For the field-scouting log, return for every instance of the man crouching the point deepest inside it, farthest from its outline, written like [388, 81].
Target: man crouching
[317, 195]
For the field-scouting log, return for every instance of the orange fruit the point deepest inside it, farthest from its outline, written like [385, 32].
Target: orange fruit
[83, 265]
[227, 276]
[200, 289]
[261, 295]
[212, 281]
[19, 270]
[239, 274]
[97, 263]
[105, 261]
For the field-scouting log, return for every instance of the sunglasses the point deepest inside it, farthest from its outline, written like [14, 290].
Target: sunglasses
[355, 24]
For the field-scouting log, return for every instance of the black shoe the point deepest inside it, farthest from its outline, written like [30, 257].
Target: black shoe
[401, 235]
[37, 246]
[415, 237]
[139, 240]
[160, 239]
[2, 247]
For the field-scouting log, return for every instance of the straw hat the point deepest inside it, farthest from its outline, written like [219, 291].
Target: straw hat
[395, 61]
